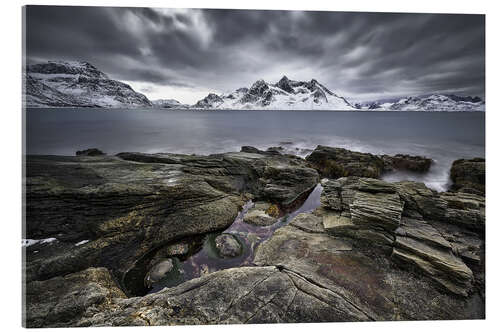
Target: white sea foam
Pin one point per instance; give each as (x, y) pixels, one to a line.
(30, 242)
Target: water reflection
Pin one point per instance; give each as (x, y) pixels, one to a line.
(250, 236)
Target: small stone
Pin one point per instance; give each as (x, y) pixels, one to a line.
(259, 218)
(158, 271)
(228, 246)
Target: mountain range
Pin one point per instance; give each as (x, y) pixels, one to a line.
(434, 102)
(80, 84)
(285, 94)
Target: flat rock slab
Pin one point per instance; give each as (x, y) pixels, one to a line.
(308, 222)
(330, 262)
(232, 296)
(334, 222)
(370, 281)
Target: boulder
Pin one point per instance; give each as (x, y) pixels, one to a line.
(338, 162)
(228, 245)
(90, 152)
(469, 176)
(406, 162)
(250, 149)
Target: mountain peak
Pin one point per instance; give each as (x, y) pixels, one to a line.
(76, 84)
(284, 84)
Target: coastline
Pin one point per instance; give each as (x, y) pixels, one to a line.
(116, 218)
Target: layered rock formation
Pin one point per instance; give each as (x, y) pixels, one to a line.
(411, 222)
(371, 250)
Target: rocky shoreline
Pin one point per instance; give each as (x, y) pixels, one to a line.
(370, 250)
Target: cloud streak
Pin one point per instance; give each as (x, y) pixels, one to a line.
(363, 56)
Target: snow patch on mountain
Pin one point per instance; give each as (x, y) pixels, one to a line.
(77, 84)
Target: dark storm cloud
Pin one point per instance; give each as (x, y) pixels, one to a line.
(361, 55)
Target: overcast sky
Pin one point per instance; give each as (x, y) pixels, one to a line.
(185, 54)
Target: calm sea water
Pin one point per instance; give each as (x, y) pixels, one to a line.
(442, 136)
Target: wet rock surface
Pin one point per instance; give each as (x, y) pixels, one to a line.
(228, 245)
(469, 176)
(338, 162)
(259, 217)
(158, 271)
(372, 250)
(129, 205)
(406, 162)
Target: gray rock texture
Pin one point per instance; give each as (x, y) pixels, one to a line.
(338, 162)
(228, 245)
(469, 176)
(128, 206)
(372, 250)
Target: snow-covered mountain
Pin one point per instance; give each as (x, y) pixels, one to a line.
(77, 84)
(286, 94)
(168, 104)
(80, 84)
(435, 102)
